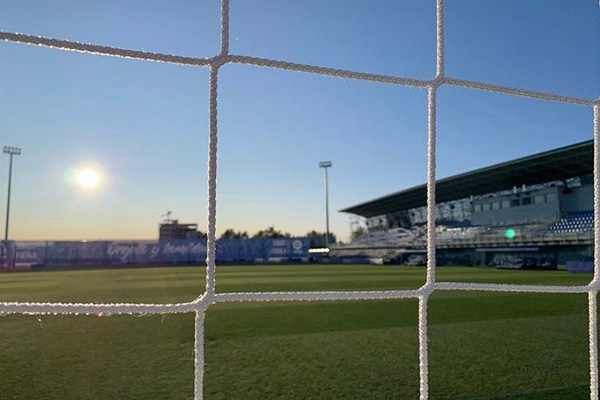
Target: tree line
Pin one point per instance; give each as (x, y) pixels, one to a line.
(316, 239)
(271, 233)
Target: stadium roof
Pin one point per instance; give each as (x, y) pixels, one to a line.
(563, 163)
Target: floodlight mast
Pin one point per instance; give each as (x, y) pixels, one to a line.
(11, 151)
(325, 165)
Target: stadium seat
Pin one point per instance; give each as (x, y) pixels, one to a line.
(580, 221)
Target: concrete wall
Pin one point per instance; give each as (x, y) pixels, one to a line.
(577, 199)
(512, 208)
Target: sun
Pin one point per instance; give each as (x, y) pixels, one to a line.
(87, 178)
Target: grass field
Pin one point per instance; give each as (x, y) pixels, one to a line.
(482, 345)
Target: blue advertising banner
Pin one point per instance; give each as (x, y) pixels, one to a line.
(5, 259)
(187, 251)
(580, 267)
(262, 250)
(27, 254)
(183, 251)
(133, 252)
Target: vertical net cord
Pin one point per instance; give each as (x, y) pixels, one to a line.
(430, 282)
(209, 294)
(593, 337)
(439, 46)
(431, 136)
(199, 353)
(224, 27)
(212, 181)
(423, 349)
(593, 294)
(431, 164)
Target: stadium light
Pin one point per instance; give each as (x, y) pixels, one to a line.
(325, 165)
(11, 151)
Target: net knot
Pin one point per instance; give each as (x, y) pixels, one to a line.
(427, 288)
(219, 60)
(438, 81)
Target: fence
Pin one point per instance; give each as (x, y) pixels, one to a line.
(52, 254)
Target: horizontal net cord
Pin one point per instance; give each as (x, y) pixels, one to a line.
(518, 92)
(507, 287)
(94, 49)
(68, 45)
(338, 73)
(317, 296)
(202, 302)
(98, 309)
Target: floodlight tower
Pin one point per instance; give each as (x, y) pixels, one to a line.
(325, 165)
(11, 151)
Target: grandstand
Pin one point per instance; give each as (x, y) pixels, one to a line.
(535, 212)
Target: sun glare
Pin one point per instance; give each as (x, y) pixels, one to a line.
(88, 179)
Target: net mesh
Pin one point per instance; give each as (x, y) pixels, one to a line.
(201, 304)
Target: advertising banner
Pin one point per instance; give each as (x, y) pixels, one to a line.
(186, 251)
(27, 254)
(142, 252)
(183, 251)
(6, 255)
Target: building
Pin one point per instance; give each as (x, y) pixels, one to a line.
(537, 207)
(172, 229)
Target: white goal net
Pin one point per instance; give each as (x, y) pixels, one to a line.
(201, 304)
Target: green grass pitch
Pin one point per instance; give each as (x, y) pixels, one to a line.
(481, 345)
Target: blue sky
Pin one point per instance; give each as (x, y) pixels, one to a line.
(144, 125)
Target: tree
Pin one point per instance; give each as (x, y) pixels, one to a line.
(270, 233)
(232, 234)
(358, 232)
(317, 239)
